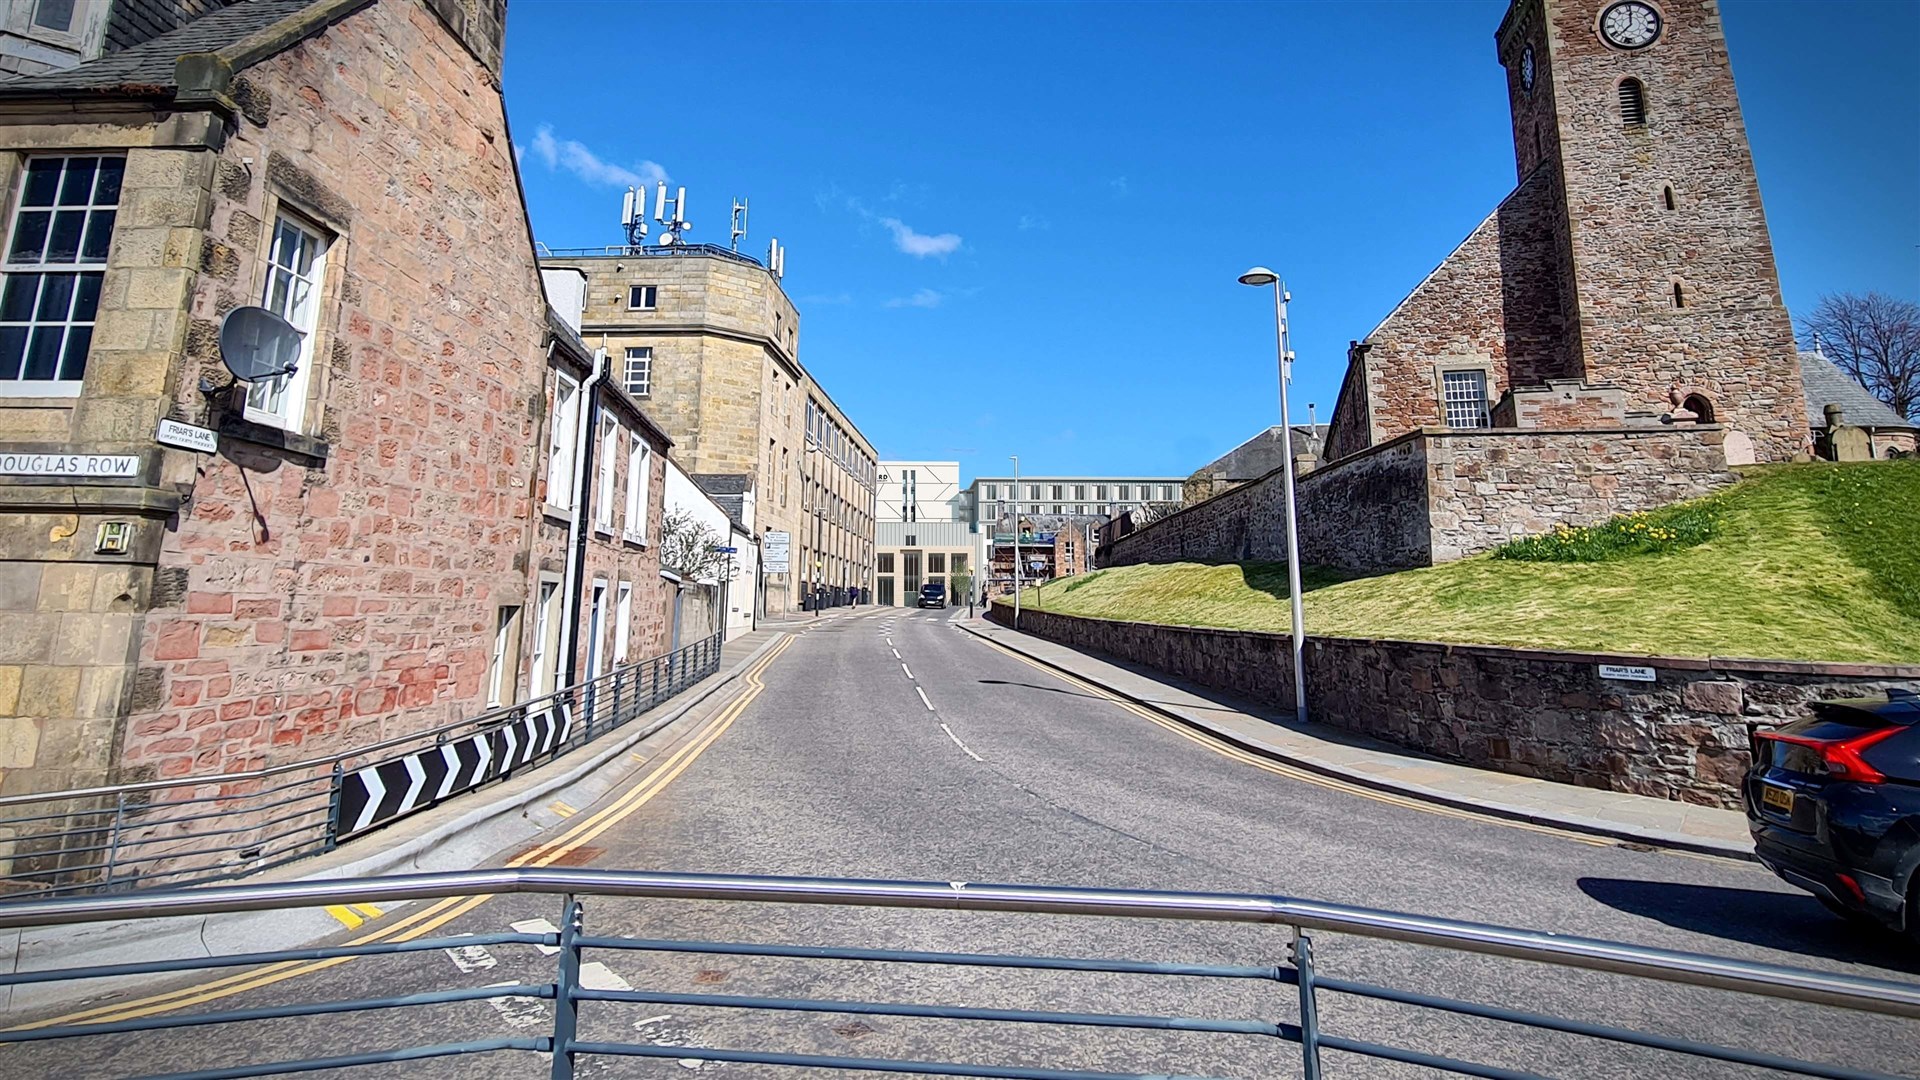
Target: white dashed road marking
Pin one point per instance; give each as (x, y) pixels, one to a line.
(961, 745)
(537, 926)
(923, 698)
(519, 1012)
(595, 975)
(905, 668)
(471, 958)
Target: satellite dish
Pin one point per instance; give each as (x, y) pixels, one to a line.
(257, 345)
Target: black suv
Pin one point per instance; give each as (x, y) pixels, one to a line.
(932, 594)
(1834, 805)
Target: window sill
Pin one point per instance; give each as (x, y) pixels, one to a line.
(303, 449)
(561, 514)
(635, 539)
(603, 532)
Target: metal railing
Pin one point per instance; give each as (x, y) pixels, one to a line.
(166, 833)
(570, 1000)
(649, 251)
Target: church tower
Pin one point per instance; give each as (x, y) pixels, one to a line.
(1666, 278)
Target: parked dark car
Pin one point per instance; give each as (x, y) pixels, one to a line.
(932, 594)
(1834, 805)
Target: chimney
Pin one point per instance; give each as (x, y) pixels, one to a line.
(481, 25)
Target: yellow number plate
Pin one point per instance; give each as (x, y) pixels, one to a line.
(1778, 798)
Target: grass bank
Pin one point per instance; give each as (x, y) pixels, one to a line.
(1809, 562)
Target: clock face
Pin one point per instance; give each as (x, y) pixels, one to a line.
(1630, 25)
(1526, 69)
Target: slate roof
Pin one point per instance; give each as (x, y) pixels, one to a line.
(147, 69)
(1824, 384)
(1261, 454)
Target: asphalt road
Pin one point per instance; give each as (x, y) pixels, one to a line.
(898, 746)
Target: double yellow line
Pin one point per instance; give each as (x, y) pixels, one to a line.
(1229, 750)
(447, 909)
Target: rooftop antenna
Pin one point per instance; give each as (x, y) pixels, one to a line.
(777, 258)
(674, 225)
(633, 216)
(739, 222)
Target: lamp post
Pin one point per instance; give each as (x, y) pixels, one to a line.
(1261, 276)
(1016, 540)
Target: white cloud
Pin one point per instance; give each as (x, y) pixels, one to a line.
(1034, 221)
(918, 244)
(577, 159)
(921, 298)
(1120, 186)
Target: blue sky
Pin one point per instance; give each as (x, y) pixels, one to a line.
(1016, 228)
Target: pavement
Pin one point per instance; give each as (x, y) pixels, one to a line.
(1386, 767)
(893, 744)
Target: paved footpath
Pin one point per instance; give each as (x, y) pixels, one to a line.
(894, 744)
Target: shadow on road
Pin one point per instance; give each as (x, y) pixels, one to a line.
(1789, 922)
(1032, 686)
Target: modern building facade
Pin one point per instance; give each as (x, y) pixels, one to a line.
(708, 342)
(1091, 497)
(925, 534)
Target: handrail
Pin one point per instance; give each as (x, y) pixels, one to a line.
(475, 723)
(1692, 969)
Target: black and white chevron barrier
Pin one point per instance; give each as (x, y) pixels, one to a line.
(379, 793)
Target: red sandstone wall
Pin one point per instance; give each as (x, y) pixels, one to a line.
(1732, 340)
(1495, 300)
(360, 601)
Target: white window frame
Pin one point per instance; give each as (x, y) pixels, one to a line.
(546, 624)
(643, 355)
(304, 297)
(639, 487)
(609, 450)
(597, 630)
(564, 419)
(643, 297)
(622, 622)
(77, 268)
(1455, 407)
(505, 618)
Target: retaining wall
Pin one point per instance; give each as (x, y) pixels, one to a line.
(1682, 735)
(1436, 494)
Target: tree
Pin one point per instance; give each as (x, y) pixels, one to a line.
(959, 585)
(1874, 338)
(687, 548)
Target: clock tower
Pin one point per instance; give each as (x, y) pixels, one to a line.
(1666, 283)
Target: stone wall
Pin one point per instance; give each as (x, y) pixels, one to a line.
(342, 584)
(1728, 335)
(1529, 712)
(1436, 495)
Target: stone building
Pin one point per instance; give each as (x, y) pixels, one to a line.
(1043, 551)
(1610, 338)
(599, 597)
(707, 340)
(1627, 281)
(1255, 458)
(1833, 395)
(351, 560)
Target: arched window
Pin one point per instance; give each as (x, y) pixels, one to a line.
(1700, 407)
(1679, 297)
(1669, 196)
(1633, 102)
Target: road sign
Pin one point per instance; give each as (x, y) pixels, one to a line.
(379, 793)
(774, 552)
(722, 550)
(1629, 673)
(186, 437)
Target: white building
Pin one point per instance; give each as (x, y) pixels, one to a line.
(728, 590)
(923, 533)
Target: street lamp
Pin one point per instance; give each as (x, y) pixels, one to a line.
(1016, 540)
(1261, 276)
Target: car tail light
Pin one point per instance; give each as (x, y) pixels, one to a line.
(1842, 756)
